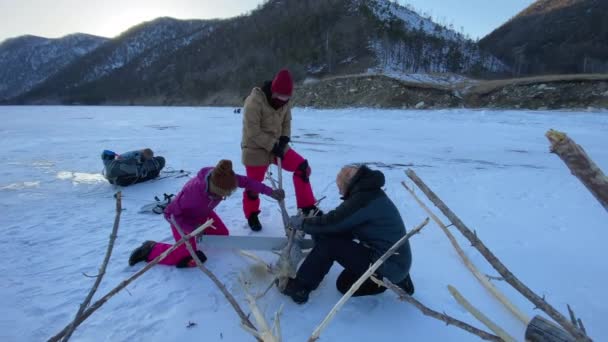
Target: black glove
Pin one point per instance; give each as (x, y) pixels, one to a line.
(278, 151)
(279, 147)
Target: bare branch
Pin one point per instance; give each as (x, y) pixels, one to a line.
(574, 320)
(317, 332)
(432, 313)
(265, 332)
(262, 294)
(494, 278)
(480, 316)
(288, 259)
(580, 164)
(88, 312)
(496, 263)
(468, 263)
(572, 316)
(102, 269)
(277, 322)
(217, 282)
(580, 324)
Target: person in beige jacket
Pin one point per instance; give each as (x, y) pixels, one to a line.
(266, 137)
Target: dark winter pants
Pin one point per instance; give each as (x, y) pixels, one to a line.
(354, 257)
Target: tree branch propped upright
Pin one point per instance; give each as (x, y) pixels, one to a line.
(509, 277)
(102, 269)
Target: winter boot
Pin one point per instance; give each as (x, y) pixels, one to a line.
(141, 253)
(346, 279)
(312, 211)
(189, 262)
(296, 291)
(254, 221)
(407, 285)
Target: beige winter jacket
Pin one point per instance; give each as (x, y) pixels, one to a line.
(262, 127)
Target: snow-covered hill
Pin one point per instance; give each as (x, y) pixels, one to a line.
(168, 61)
(29, 60)
(424, 45)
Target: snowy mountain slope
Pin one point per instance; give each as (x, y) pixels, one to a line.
(29, 60)
(492, 168)
(145, 38)
(169, 62)
(388, 10)
(415, 44)
(139, 47)
(554, 37)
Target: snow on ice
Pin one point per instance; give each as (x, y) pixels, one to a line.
(492, 168)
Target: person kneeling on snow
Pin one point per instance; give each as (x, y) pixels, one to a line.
(193, 206)
(131, 167)
(367, 215)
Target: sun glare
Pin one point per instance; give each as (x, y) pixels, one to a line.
(124, 20)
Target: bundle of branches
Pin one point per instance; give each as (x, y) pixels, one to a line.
(539, 329)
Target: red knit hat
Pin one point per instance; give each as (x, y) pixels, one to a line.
(223, 180)
(282, 83)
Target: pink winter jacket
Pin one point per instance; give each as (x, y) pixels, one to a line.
(192, 206)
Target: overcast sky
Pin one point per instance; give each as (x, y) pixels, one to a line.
(108, 18)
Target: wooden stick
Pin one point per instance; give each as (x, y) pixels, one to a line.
(572, 316)
(480, 316)
(432, 313)
(574, 320)
(217, 282)
(317, 332)
(286, 265)
(541, 329)
(102, 269)
(509, 277)
(277, 322)
(128, 281)
(467, 262)
(580, 164)
(263, 293)
(264, 332)
(284, 213)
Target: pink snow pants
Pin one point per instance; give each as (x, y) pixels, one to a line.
(182, 252)
(292, 162)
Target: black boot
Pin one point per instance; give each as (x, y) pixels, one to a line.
(254, 222)
(312, 211)
(189, 262)
(407, 285)
(346, 279)
(141, 253)
(296, 291)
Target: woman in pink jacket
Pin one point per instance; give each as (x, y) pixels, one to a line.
(193, 206)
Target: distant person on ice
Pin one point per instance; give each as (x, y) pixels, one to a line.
(193, 206)
(131, 167)
(266, 137)
(367, 215)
